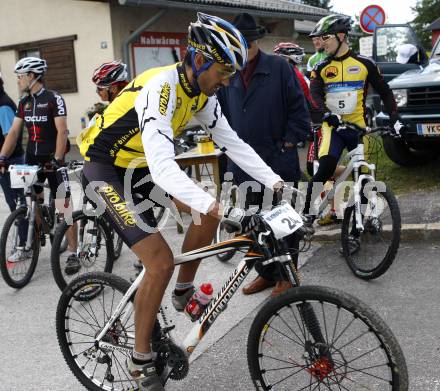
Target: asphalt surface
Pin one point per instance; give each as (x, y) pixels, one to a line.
(406, 297)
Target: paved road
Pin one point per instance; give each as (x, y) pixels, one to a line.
(406, 297)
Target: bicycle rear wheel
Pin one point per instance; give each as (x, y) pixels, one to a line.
(379, 242)
(81, 316)
(357, 350)
(17, 274)
(91, 257)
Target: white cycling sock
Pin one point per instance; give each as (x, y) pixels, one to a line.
(183, 286)
(141, 357)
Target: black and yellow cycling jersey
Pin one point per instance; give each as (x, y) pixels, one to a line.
(138, 129)
(340, 85)
(115, 136)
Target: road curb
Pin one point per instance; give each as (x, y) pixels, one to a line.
(410, 233)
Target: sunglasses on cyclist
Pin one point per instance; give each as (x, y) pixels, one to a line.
(327, 37)
(99, 89)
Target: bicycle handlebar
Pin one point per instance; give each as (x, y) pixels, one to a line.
(363, 131)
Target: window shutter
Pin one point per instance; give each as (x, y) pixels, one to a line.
(61, 69)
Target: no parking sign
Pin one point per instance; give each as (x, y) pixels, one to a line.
(371, 17)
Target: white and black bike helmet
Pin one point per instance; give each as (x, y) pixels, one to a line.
(31, 64)
(218, 40)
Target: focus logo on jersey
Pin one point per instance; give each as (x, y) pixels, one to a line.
(35, 118)
(164, 98)
(331, 72)
(117, 204)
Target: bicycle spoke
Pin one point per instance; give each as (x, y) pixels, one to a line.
(356, 358)
(95, 320)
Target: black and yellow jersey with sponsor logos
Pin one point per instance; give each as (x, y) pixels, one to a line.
(138, 129)
(340, 85)
(38, 111)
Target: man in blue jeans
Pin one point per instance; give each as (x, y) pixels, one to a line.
(7, 114)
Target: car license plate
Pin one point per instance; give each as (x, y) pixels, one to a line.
(428, 129)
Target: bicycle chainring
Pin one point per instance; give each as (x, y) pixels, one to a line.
(170, 353)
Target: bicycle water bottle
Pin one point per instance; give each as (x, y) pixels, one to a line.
(199, 301)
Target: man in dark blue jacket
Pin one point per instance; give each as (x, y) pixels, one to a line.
(265, 105)
(7, 113)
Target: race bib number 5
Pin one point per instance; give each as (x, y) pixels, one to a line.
(342, 102)
(283, 220)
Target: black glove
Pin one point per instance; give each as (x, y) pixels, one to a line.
(333, 120)
(55, 163)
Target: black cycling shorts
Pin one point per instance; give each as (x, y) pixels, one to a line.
(133, 222)
(334, 141)
(52, 177)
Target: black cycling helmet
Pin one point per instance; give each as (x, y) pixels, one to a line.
(331, 24)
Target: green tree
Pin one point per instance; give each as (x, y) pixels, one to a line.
(318, 3)
(356, 29)
(427, 11)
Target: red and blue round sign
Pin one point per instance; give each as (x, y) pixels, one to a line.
(371, 17)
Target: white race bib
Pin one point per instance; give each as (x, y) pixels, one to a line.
(342, 102)
(283, 220)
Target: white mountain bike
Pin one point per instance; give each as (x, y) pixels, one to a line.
(309, 338)
(372, 216)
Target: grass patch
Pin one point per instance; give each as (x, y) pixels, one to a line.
(403, 180)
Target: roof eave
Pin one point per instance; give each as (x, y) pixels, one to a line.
(220, 8)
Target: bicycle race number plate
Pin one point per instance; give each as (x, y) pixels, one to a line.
(283, 220)
(22, 176)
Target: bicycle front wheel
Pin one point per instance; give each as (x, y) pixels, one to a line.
(94, 252)
(370, 253)
(17, 265)
(355, 350)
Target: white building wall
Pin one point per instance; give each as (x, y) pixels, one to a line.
(24, 21)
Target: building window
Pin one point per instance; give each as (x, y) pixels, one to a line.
(60, 56)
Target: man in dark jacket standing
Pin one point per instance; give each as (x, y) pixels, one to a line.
(7, 113)
(265, 105)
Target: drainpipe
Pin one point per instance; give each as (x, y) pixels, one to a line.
(133, 36)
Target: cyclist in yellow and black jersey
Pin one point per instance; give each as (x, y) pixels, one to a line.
(339, 86)
(137, 130)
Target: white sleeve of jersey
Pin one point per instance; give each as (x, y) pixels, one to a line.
(216, 124)
(155, 106)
